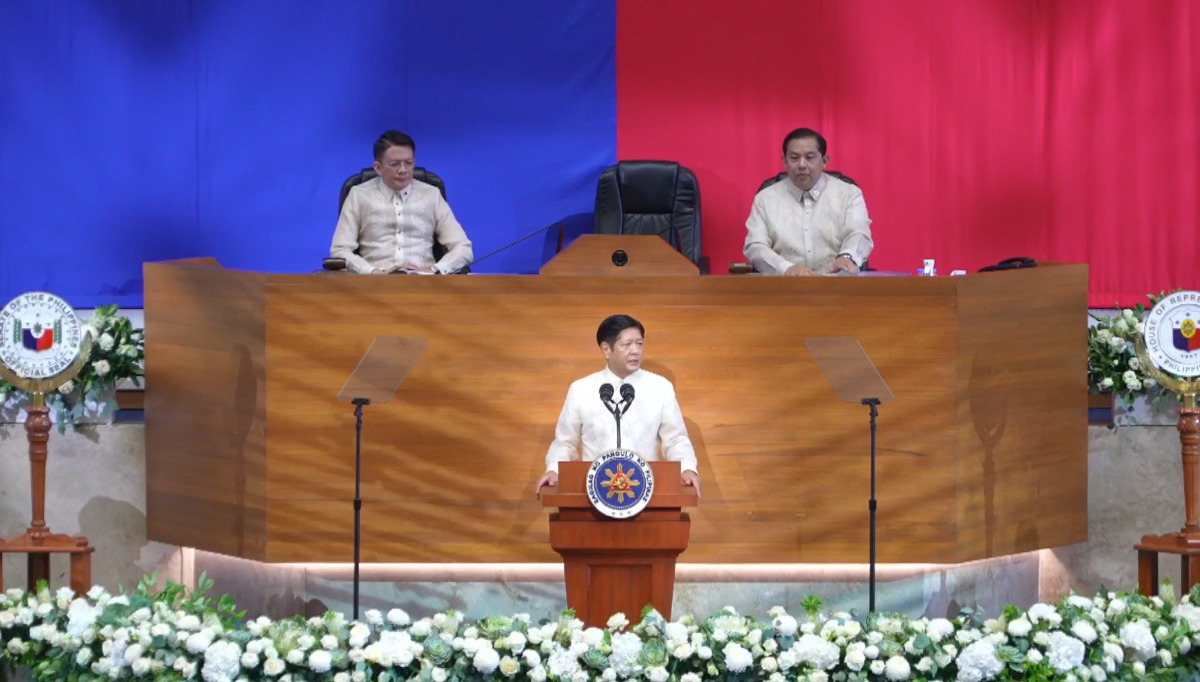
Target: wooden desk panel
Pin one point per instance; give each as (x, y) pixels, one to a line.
(449, 464)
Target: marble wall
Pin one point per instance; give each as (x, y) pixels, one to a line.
(96, 485)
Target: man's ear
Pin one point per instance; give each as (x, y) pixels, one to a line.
(605, 349)
(825, 160)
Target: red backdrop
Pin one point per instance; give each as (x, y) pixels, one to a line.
(978, 129)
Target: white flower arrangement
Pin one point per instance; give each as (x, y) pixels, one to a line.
(173, 635)
(1113, 365)
(117, 353)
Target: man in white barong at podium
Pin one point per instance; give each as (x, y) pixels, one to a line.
(586, 428)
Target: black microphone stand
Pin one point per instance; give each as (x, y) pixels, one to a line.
(358, 419)
(616, 412)
(873, 404)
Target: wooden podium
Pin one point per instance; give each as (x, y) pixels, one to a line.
(249, 453)
(619, 565)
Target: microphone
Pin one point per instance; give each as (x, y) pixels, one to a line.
(627, 395)
(513, 243)
(606, 396)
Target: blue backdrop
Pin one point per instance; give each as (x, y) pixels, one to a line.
(159, 129)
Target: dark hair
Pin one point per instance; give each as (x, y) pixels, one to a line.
(393, 138)
(800, 134)
(613, 325)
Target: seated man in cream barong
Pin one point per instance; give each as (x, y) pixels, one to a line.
(586, 429)
(811, 223)
(389, 223)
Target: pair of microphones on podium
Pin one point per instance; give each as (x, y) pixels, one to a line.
(617, 408)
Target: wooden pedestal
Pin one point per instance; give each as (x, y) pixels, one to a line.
(1171, 543)
(1185, 543)
(37, 541)
(619, 565)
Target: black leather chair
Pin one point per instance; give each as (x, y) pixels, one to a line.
(426, 176)
(783, 176)
(746, 268)
(419, 173)
(651, 197)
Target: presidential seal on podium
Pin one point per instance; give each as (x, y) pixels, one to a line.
(620, 484)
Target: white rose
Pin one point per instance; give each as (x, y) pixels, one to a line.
(515, 642)
(398, 617)
(689, 677)
(329, 643)
(359, 634)
(438, 674)
(877, 667)
(593, 637)
(509, 666)
(102, 367)
(897, 668)
(618, 621)
(657, 674)
(1106, 383)
(1034, 656)
(295, 656)
(67, 387)
(786, 625)
(273, 667)
(538, 674)
(1084, 631)
(855, 660)
(486, 660)
(133, 652)
(737, 658)
(1020, 627)
(341, 677)
(140, 667)
(319, 661)
(106, 342)
(1116, 342)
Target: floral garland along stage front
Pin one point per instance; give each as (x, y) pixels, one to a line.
(173, 635)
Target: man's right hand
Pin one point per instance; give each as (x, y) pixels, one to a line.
(798, 270)
(549, 478)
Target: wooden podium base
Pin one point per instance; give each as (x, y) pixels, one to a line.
(1171, 543)
(630, 566)
(619, 565)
